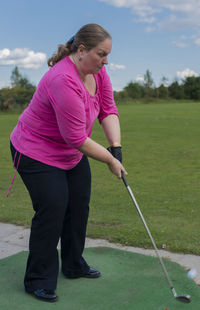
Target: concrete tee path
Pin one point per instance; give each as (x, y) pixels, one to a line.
(14, 239)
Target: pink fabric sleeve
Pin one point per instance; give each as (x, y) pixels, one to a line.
(68, 104)
(108, 104)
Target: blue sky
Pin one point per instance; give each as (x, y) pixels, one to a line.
(158, 35)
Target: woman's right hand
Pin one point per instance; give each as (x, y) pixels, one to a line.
(116, 167)
(94, 150)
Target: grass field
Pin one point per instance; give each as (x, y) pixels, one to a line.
(161, 153)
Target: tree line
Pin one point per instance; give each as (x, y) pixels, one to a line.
(187, 89)
(20, 93)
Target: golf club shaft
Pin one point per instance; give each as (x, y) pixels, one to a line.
(150, 236)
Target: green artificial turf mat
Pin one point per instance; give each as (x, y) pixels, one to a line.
(128, 281)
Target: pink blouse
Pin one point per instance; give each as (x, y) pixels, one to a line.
(61, 114)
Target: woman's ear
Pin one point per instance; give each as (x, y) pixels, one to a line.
(81, 50)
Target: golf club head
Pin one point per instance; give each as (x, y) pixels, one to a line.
(184, 298)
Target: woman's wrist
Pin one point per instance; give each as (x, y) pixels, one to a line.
(115, 144)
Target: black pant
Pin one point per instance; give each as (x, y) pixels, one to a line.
(60, 200)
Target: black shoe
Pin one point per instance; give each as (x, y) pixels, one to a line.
(91, 273)
(45, 295)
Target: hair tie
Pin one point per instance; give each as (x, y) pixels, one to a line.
(71, 39)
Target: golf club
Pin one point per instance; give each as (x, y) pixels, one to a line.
(183, 298)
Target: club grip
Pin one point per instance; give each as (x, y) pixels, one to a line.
(124, 180)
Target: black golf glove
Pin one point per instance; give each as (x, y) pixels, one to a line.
(116, 152)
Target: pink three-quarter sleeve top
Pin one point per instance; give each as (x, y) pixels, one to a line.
(61, 114)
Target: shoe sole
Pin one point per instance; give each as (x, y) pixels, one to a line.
(94, 276)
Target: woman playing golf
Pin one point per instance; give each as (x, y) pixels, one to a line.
(50, 146)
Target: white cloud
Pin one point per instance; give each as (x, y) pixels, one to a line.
(147, 19)
(186, 73)
(115, 67)
(150, 7)
(182, 6)
(22, 57)
(167, 15)
(197, 41)
(172, 23)
(140, 79)
(142, 8)
(181, 42)
(150, 29)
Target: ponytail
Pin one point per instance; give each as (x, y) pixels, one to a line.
(62, 52)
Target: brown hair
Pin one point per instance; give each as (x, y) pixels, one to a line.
(89, 35)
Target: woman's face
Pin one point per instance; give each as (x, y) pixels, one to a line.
(92, 61)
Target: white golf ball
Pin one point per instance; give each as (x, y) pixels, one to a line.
(192, 273)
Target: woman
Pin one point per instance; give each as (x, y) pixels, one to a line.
(50, 145)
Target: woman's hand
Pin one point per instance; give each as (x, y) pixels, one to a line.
(116, 167)
(94, 150)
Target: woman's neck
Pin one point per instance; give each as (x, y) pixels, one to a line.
(74, 59)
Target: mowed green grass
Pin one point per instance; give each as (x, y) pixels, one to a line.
(161, 152)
